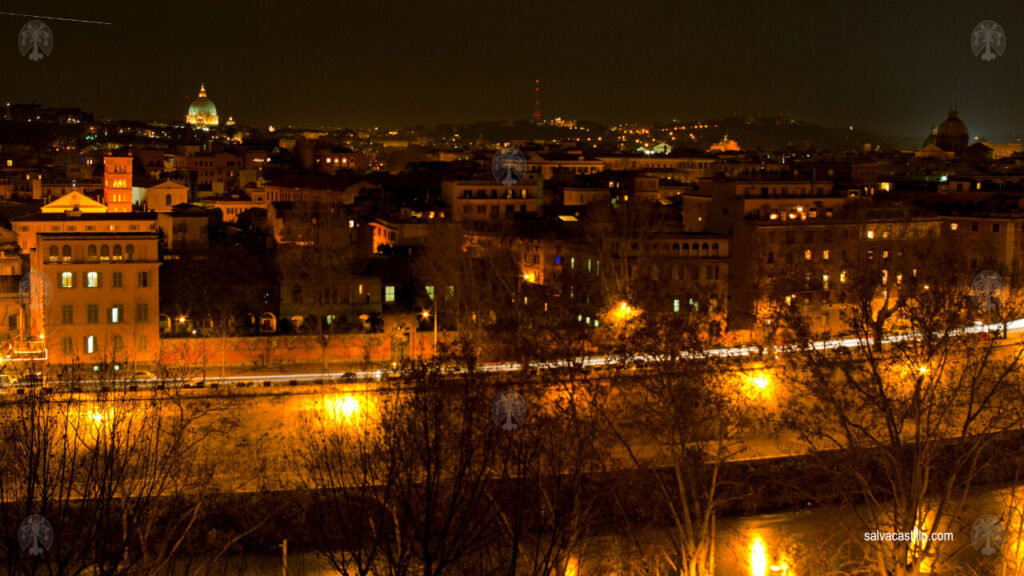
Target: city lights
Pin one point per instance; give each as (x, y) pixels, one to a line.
(383, 290)
(623, 312)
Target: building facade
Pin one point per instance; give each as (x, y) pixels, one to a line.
(104, 307)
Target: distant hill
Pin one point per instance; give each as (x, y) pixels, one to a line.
(780, 133)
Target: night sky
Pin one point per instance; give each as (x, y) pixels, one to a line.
(890, 67)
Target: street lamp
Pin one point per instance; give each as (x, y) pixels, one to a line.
(194, 331)
(624, 312)
(426, 315)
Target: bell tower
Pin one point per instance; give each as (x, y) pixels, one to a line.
(117, 183)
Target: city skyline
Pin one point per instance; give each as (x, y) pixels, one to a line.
(363, 66)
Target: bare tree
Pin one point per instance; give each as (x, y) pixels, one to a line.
(680, 415)
(124, 478)
(905, 419)
(427, 483)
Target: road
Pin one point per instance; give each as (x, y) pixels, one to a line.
(1015, 333)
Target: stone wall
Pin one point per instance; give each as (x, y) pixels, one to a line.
(343, 350)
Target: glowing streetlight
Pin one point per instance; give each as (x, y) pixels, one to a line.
(757, 385)
(347, 409)
(624, 312)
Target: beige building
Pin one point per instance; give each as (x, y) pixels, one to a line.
(483, 200)
(74, 221)
(165, 195)
(104, 306)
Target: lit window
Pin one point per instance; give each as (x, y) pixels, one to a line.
(430, 292)
(824, 281)
(90, 344)
(807, 255)
(871, 234)
(885, 277)
(825, 254)
(842, 277)
(953, 226)
(389, 294)
(675, 305)
(67, 280)
(116, 316)
(92, 280)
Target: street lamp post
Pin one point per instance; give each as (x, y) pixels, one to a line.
(203, 336)
(426, 314)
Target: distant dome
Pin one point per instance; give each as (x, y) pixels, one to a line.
(202, 111)
(952, 134)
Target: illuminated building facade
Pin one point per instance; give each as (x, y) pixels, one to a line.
(483, 200)
(117, 183)
(202, 113)
(105, 298)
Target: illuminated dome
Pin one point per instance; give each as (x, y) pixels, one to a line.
(952, 134)
(202, 112)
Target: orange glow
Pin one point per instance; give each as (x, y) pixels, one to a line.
(346, 410)
(624, 312)
(758, 558)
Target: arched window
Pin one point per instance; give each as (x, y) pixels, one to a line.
(65, 252)
(704, 249)
(92, 252)
(117, 252)
(104, 252)
(54, 253)
(167, 200)
(129, 252)
(714, 249)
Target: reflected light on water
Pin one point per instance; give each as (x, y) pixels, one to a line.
(572, 567)
(758, 558)
(765, 563)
